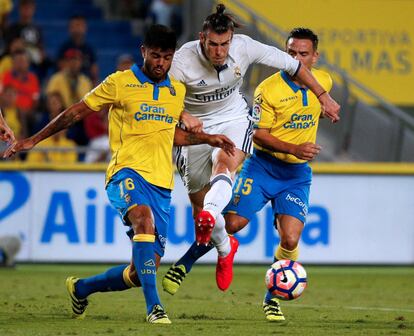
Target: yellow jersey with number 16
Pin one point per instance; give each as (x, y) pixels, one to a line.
(142, 120)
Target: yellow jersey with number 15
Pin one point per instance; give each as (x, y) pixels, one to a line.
(142, 120)
(290, 112)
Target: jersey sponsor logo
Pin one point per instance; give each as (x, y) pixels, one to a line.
(136, 85)
(288, 98)
(218, 94)
(149, 263)
(150, 112)
(298, 121)
(202, 83)
(299, 202)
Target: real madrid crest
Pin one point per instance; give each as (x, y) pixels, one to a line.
(237, 71)
(172, 90)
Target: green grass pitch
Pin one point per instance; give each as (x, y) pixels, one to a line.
(338, 301)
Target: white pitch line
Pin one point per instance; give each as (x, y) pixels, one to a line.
(293, 305)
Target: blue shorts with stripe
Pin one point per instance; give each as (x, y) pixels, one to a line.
(264, 178)
(127, 189)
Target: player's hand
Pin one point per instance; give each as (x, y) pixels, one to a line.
(6, 134)
(330, 108)
(307, 151)
(22, 145)
(191, 123)
(223, 142)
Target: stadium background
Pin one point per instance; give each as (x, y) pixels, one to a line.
(362, 207)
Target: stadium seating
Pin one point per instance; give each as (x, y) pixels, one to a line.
(109, 38)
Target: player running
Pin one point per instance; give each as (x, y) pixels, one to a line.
(212, 70)
(145, 105)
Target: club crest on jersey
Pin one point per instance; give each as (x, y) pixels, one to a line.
(236, 200)
(127, 198)
(258, 99)
(172, 90)
(237, 71)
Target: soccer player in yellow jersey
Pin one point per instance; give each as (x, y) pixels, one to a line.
(145, 106)
(284, 141)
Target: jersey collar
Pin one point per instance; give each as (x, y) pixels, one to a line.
(289, 82)
(144, 79)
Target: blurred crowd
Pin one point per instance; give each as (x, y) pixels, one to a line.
(34, 87)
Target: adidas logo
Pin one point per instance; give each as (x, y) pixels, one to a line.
(149, 263)
(202, 83)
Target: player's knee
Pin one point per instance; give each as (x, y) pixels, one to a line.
(289, 241)
(143, 225)
(235, 223)
(133, 276)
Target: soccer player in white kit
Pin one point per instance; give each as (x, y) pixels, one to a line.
(212, 69)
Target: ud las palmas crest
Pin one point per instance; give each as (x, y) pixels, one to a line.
(236, 200)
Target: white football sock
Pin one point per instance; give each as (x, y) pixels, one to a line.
(219, 194)
(220, 238)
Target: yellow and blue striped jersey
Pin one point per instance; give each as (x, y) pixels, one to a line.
(142, 120)
(290, 112)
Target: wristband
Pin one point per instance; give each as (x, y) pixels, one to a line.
(320, 94)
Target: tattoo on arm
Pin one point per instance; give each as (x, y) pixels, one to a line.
(64, 120)
(192, 139)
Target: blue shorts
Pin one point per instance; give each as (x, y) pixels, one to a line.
(264, 178)
(127, 189)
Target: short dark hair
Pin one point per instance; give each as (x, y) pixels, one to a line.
(77, 17)
(219, 22)
(304, 34)
(159, 36)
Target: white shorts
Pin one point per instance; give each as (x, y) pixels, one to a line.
(194, 163)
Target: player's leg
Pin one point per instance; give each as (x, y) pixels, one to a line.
(249, 197)
(177, 272)
(223, 170)
(290, 208)
(114, 279)
(290, 229)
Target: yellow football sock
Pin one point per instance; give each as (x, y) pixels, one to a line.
(282, 253)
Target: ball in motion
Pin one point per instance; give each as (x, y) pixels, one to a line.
(286, 279)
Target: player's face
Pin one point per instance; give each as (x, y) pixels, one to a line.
(157, 62)
(216, 46)
(302, 50)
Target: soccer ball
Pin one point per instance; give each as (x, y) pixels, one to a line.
(286, 279)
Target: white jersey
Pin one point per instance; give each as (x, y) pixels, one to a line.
(214, 96)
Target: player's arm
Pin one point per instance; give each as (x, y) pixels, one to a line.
(330, 108)
(305, 151)
(274, 57)
(6, 134)
(64, 120)
(185, 138)
(191, 123)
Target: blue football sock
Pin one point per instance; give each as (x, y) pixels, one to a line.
(194, 253)
(111, 280)
(144, 260)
